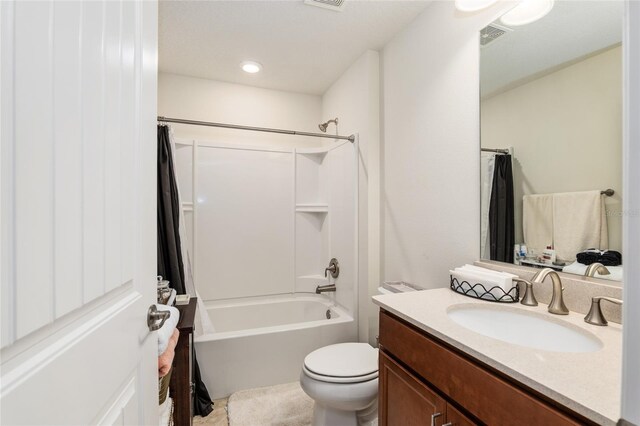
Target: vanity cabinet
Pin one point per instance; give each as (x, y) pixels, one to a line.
(421, 377)
(405, 400)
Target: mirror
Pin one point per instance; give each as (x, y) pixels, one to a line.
(551, 139)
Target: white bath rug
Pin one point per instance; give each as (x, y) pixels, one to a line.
(281, 405)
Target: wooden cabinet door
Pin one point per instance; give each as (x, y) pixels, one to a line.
(456, 418)
(404, 400)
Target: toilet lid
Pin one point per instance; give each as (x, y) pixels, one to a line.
(343, 360)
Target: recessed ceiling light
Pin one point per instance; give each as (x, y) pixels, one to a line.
(251, 67)
(526, 12)
(473, 5)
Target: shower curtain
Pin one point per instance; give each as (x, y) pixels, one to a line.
(172, 256)
(170, 261)
(501, 211)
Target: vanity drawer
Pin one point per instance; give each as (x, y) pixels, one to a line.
(491, 399)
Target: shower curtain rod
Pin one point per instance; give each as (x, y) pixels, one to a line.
(497, 150)
(350, 138)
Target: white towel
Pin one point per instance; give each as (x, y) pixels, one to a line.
(166, 410)
(165, 332)
(537, 221)
(579, 223)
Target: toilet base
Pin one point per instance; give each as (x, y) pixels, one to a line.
(326, 416)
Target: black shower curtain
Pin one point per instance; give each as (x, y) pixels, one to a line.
(501, 211)
(170, 262)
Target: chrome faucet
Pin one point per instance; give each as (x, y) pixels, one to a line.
(556, 306)
(596, 268)
(595, 315)
(325, 288)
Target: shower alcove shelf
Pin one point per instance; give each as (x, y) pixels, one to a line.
(312, 210)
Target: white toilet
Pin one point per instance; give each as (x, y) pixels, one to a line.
(342, 379)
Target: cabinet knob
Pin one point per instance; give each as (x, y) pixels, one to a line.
(434, 417)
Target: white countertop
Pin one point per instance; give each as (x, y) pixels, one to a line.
(587, 383)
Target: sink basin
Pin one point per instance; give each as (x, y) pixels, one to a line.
(524, 328)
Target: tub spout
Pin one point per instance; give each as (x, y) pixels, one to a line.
(325, 288)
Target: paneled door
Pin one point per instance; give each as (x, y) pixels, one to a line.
(78, 229)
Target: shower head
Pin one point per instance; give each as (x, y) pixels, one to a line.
(323, 126)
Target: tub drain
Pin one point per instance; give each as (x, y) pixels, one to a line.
(328, 313)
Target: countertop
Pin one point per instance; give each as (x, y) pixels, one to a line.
(587, 383)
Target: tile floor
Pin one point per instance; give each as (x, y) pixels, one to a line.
(218, 417)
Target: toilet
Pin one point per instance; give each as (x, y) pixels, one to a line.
(342, 379)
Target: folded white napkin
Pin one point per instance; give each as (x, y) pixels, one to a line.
(165, 332)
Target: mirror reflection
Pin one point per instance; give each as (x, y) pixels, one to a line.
(551, 140)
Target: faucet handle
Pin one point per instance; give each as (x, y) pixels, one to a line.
(595, 315)
(333, 267)
(528, 299)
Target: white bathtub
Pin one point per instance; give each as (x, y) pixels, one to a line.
(263, 341)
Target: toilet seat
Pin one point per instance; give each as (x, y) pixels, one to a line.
(333, 379)
(342, 363)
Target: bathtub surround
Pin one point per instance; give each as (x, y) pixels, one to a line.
(307, 216)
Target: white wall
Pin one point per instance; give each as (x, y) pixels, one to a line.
(208, 100)
(566, 131)
(354, 98)
(631, 224)
(431, 145)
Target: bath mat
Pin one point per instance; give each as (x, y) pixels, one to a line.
(280, 405)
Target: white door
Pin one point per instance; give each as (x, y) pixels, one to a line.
(78, 254)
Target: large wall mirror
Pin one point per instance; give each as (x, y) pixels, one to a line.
(551, 139)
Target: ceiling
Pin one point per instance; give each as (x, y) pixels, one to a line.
(302, 48)
(572, 30)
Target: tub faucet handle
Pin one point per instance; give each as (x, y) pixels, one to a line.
(333, 268)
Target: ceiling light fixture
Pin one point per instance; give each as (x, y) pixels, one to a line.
(473, 5)
(251, 67)
(526, 12)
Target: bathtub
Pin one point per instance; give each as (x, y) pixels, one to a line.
(263, 341)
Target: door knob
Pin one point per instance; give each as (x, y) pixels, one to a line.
(156, 318)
